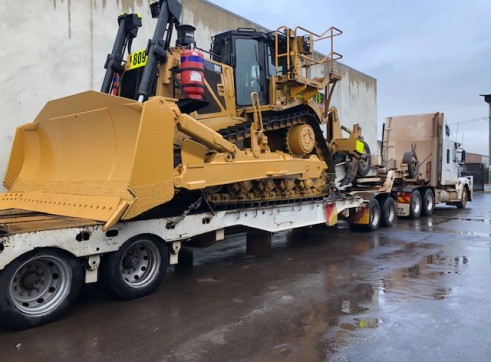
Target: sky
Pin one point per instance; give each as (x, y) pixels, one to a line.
(427, 55)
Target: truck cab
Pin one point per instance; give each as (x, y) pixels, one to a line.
(452, 158)
(437, 178)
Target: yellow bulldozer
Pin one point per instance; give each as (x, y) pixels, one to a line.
(170, 129)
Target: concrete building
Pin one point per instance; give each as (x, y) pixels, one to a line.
(476, 165)
(54, 48)
(476, 158)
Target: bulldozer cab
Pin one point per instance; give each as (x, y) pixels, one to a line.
(281, 66)
(251, 55)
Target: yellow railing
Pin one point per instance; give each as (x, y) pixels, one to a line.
(300, 47)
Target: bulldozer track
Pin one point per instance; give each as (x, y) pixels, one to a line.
(275, 124)
(282, 121)
(271, 122)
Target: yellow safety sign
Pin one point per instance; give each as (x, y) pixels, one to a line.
(137, 59)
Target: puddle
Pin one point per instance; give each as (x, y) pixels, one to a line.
(487, 221)
(435, 264)
(480, 227)
(472, 233)
(428, 279)
(419, 280)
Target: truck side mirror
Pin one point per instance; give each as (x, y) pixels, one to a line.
(462, 158)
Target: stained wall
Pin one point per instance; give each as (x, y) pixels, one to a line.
(54, 48)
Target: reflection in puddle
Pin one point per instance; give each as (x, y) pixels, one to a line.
(472, 233)
(367, 322)
(441, 293)
(487, 221)
(419, 281)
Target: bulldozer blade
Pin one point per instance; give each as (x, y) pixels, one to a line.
(93, 156)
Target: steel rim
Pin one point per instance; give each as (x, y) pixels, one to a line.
(414, 166)
(140, 264)
(40, 285)
(363, 165)
(375, 216)
(416, 203)
(391, 213)
(429, 202)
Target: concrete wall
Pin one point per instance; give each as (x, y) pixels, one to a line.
(54, 48)
(356, 100)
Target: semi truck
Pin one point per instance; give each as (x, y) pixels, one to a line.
(104, 187)
(423, 146)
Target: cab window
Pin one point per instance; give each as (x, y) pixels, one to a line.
(247, 70)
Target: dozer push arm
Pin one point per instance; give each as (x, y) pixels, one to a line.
(128, 29)
(168, 16)
(204, 135)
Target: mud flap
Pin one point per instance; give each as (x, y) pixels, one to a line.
(361, 216)
(331, 214)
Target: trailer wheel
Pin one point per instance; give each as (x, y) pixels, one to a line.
(38, 287)
(463, 199)
(374, 217)
(428, 203)
(136, 269)
(374, 221)
(388, 211)
(365, 162)
(415, 205)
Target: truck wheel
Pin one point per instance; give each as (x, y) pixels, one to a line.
(412, 162)
(463, 199)
(136, 269)
(388, 211)
(428, 203)
(365, 162)
(38, 287)
(374, 219)
(415, 205)
(374, 208)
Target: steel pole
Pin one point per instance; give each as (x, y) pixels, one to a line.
(487, 99)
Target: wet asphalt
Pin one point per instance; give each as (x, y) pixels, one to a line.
(419, 291)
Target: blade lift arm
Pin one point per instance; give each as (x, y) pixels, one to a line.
(128, 29)
(168, 12)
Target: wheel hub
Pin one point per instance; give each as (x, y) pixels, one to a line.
(130, 262)
(140, 264)
(40, 285)
(31, 281)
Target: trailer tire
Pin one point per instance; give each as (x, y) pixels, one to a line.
(428, 203)
(411, 160)
(136, 269)
(374, 218)
(463, 199)
(374, 208)
(415, 205)
(365, 162)
(38, 287)
(388, 211)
